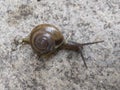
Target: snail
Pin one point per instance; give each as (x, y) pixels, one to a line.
(46, 39)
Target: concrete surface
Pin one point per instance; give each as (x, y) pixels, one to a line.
(82, 21)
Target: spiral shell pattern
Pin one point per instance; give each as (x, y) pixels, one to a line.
(45, 38)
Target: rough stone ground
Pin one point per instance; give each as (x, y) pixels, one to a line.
(83, 21)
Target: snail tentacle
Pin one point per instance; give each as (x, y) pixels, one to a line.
(77, 47)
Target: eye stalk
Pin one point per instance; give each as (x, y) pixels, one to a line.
(77, 47)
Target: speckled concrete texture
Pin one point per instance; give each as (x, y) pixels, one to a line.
(81, 20)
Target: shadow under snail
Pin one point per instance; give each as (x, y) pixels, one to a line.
(46, 39)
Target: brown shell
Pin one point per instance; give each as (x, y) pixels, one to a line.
(45, 38)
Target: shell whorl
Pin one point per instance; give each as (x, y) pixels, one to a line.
(42, 42)
(45, 38)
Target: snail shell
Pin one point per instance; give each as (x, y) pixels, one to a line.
(45, 38)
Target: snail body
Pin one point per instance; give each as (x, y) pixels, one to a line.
(46, 39)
